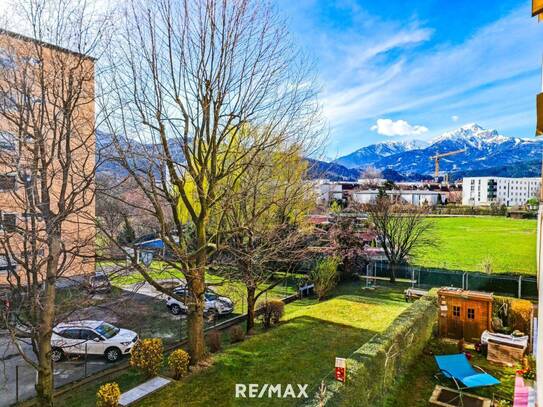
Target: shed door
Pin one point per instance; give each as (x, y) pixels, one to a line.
(455, 310)
(473, 318)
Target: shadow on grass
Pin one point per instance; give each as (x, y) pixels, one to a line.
(301, 350)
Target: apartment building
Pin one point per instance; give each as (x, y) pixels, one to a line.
(482, 191)
(411, 197)
(46, 104)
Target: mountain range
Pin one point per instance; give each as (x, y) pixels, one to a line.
(485, 150)
(486, 153)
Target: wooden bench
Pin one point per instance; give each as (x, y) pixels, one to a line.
(412, 294)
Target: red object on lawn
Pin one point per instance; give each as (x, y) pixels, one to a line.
(341, 370)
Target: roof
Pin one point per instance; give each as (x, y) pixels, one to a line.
(87, 323)
(465, 294)
(44, 44)
(151, 244)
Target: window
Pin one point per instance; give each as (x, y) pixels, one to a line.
(5, 264)
(471, 313)
(9, 222)
(7, 141)
(71, 333)
(7, 182)
(107, 330)
(7, 102)
(456, 311)
(88, 335)
(6, 60)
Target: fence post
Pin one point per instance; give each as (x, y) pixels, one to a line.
(467, 283)
(412, 277)
(16, 383)
(519, 286)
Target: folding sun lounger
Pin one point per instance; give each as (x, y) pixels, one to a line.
(464, 376)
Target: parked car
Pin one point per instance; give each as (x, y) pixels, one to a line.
(92, 337)
(214, 303)
(99, 282)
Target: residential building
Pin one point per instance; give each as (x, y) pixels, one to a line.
(45, 83)
(482, 191)
(328, 191)
(412, 197)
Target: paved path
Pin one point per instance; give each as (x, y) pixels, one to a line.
(144, 288)
(143, 390)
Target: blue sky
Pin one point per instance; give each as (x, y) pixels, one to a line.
(397, 70)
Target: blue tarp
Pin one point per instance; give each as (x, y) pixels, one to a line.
(156, 244)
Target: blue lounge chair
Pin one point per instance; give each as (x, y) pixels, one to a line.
(458, 368)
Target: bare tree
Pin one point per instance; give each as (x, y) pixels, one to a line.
(266, 216)
(47, 158)
(190, 78)
(401, 228)
(371, 173)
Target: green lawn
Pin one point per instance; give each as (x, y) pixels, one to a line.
(300, 350)
(464, 243)
(415, 387)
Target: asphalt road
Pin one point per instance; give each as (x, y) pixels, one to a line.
(66, 371)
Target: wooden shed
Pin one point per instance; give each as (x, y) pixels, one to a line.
(464, 314)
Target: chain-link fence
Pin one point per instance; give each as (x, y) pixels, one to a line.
(423, 277)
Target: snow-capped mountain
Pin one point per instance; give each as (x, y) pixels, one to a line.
(485, 148)
(372, 153)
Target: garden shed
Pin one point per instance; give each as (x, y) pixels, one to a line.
(464, 314)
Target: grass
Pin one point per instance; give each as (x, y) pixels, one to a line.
(464, 243)
(300, 350)
(415, 387)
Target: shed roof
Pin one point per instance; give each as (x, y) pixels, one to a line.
(465, 294)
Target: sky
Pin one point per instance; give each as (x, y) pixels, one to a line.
(400, 70)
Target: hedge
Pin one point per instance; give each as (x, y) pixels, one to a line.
(372, 369)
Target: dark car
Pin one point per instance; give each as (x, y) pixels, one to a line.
(99, 283)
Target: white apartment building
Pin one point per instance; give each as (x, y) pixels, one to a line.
(412, 197)
(482, 191)
(327, 191)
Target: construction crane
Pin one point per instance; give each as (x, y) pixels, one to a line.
(438, 156)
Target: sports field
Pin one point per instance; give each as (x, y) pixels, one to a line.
(466, 243)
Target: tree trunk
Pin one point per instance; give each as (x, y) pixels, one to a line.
(45, 384)
(195, 318)
(392, 271)
(250, 308)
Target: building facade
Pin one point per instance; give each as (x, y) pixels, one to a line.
(411, 197)
(484, 191)
(40, 112)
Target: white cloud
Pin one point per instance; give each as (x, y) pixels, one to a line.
(486, 73)
(388, 127)
(455, 118)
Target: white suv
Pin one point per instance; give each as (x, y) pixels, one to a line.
(214, 304)
(92, 337)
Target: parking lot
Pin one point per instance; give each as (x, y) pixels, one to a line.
(138, 307)
(139, 311)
